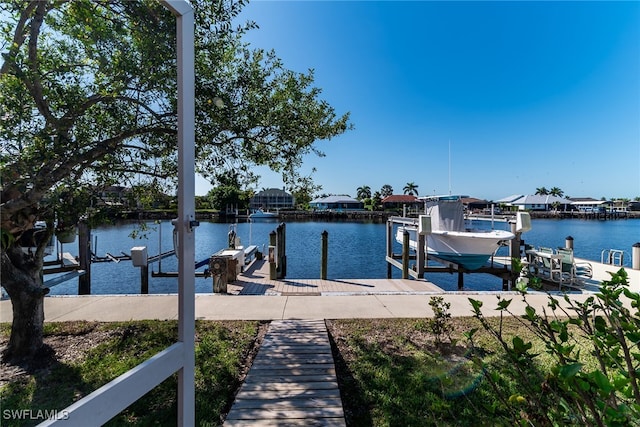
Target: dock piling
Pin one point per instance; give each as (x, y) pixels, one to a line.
(84, 258)
(405, 254)
(219, 268)
(324, 254)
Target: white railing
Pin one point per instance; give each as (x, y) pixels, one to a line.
(112, 398)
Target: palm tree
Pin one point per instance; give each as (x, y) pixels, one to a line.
(555, 191)
(363, 192)
(386, 190)
(542, 191)
(411, 188)
(376, 201)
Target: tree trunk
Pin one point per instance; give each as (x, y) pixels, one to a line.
(22, 279)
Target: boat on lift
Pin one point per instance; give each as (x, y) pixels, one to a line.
(449, 239)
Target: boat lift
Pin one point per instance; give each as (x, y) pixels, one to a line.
(421, 266)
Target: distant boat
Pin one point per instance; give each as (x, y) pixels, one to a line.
(260, 214)
(449, 240)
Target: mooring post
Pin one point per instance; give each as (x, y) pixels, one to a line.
(635, 256)
(514, 248)
(282, 251)
(405, 254)
(389, 246)
(84, 255)
(568, 242)
(144, 279)
(140, 258)
(324, 254)
(272, 255)
(218, 268)
(460, 280)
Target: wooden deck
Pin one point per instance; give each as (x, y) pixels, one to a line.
(292, 381)
(255, 281)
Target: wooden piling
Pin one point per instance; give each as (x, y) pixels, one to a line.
(84, 255)
(324, 254)
(144, 279)
(218, 268)
(389, 247)
(405, 254)
(281, 261)
(272, 256)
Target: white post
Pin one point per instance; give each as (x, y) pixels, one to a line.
(103, 404)
(186, 207)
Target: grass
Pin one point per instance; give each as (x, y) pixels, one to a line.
(221, 352)
(390, 371)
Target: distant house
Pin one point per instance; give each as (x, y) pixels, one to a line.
(337, 204)
(113, 195)
(535, 202)
(473, 205)
(272, 199)
(588, 204)
(399, 201)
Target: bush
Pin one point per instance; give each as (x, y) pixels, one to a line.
(594, 348)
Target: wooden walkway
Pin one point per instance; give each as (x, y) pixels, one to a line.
(292, 381)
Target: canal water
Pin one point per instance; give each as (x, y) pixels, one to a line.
(356, 250)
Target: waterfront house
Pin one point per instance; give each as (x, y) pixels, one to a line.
(472, 204)
(272, 199)
(536, 202)
(337, 204)
(400, 201)
(588, 204)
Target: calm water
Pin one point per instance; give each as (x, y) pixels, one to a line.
(356, 250)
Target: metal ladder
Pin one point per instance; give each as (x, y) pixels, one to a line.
(612, 257)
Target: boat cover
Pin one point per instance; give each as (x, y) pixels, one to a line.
(446, 215)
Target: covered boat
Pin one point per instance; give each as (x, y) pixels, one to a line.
(449, 240)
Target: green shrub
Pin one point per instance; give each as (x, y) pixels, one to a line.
(594, 375)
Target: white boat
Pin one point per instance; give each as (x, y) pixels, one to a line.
(260, 214)
(448, 238)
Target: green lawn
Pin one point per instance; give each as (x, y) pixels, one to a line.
(390, 371)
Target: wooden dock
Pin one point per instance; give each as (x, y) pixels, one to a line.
(292, 380)
(255, 281)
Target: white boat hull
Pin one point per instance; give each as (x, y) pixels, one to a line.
(469, 249)
(259, 214)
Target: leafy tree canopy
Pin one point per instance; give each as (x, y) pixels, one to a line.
(88, 97)
(88, 94)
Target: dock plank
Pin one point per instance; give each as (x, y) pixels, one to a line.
(292, 380)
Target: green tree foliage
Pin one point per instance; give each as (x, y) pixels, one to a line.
(542, 191)
(88, 95)
(555, 191)
(304, 191)
(363, 192)
(376, 201)
(386, 190)
(597, 383)
(411, 188)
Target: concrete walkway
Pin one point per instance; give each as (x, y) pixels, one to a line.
(299, 299)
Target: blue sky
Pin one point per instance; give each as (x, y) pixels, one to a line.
(525, 94)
